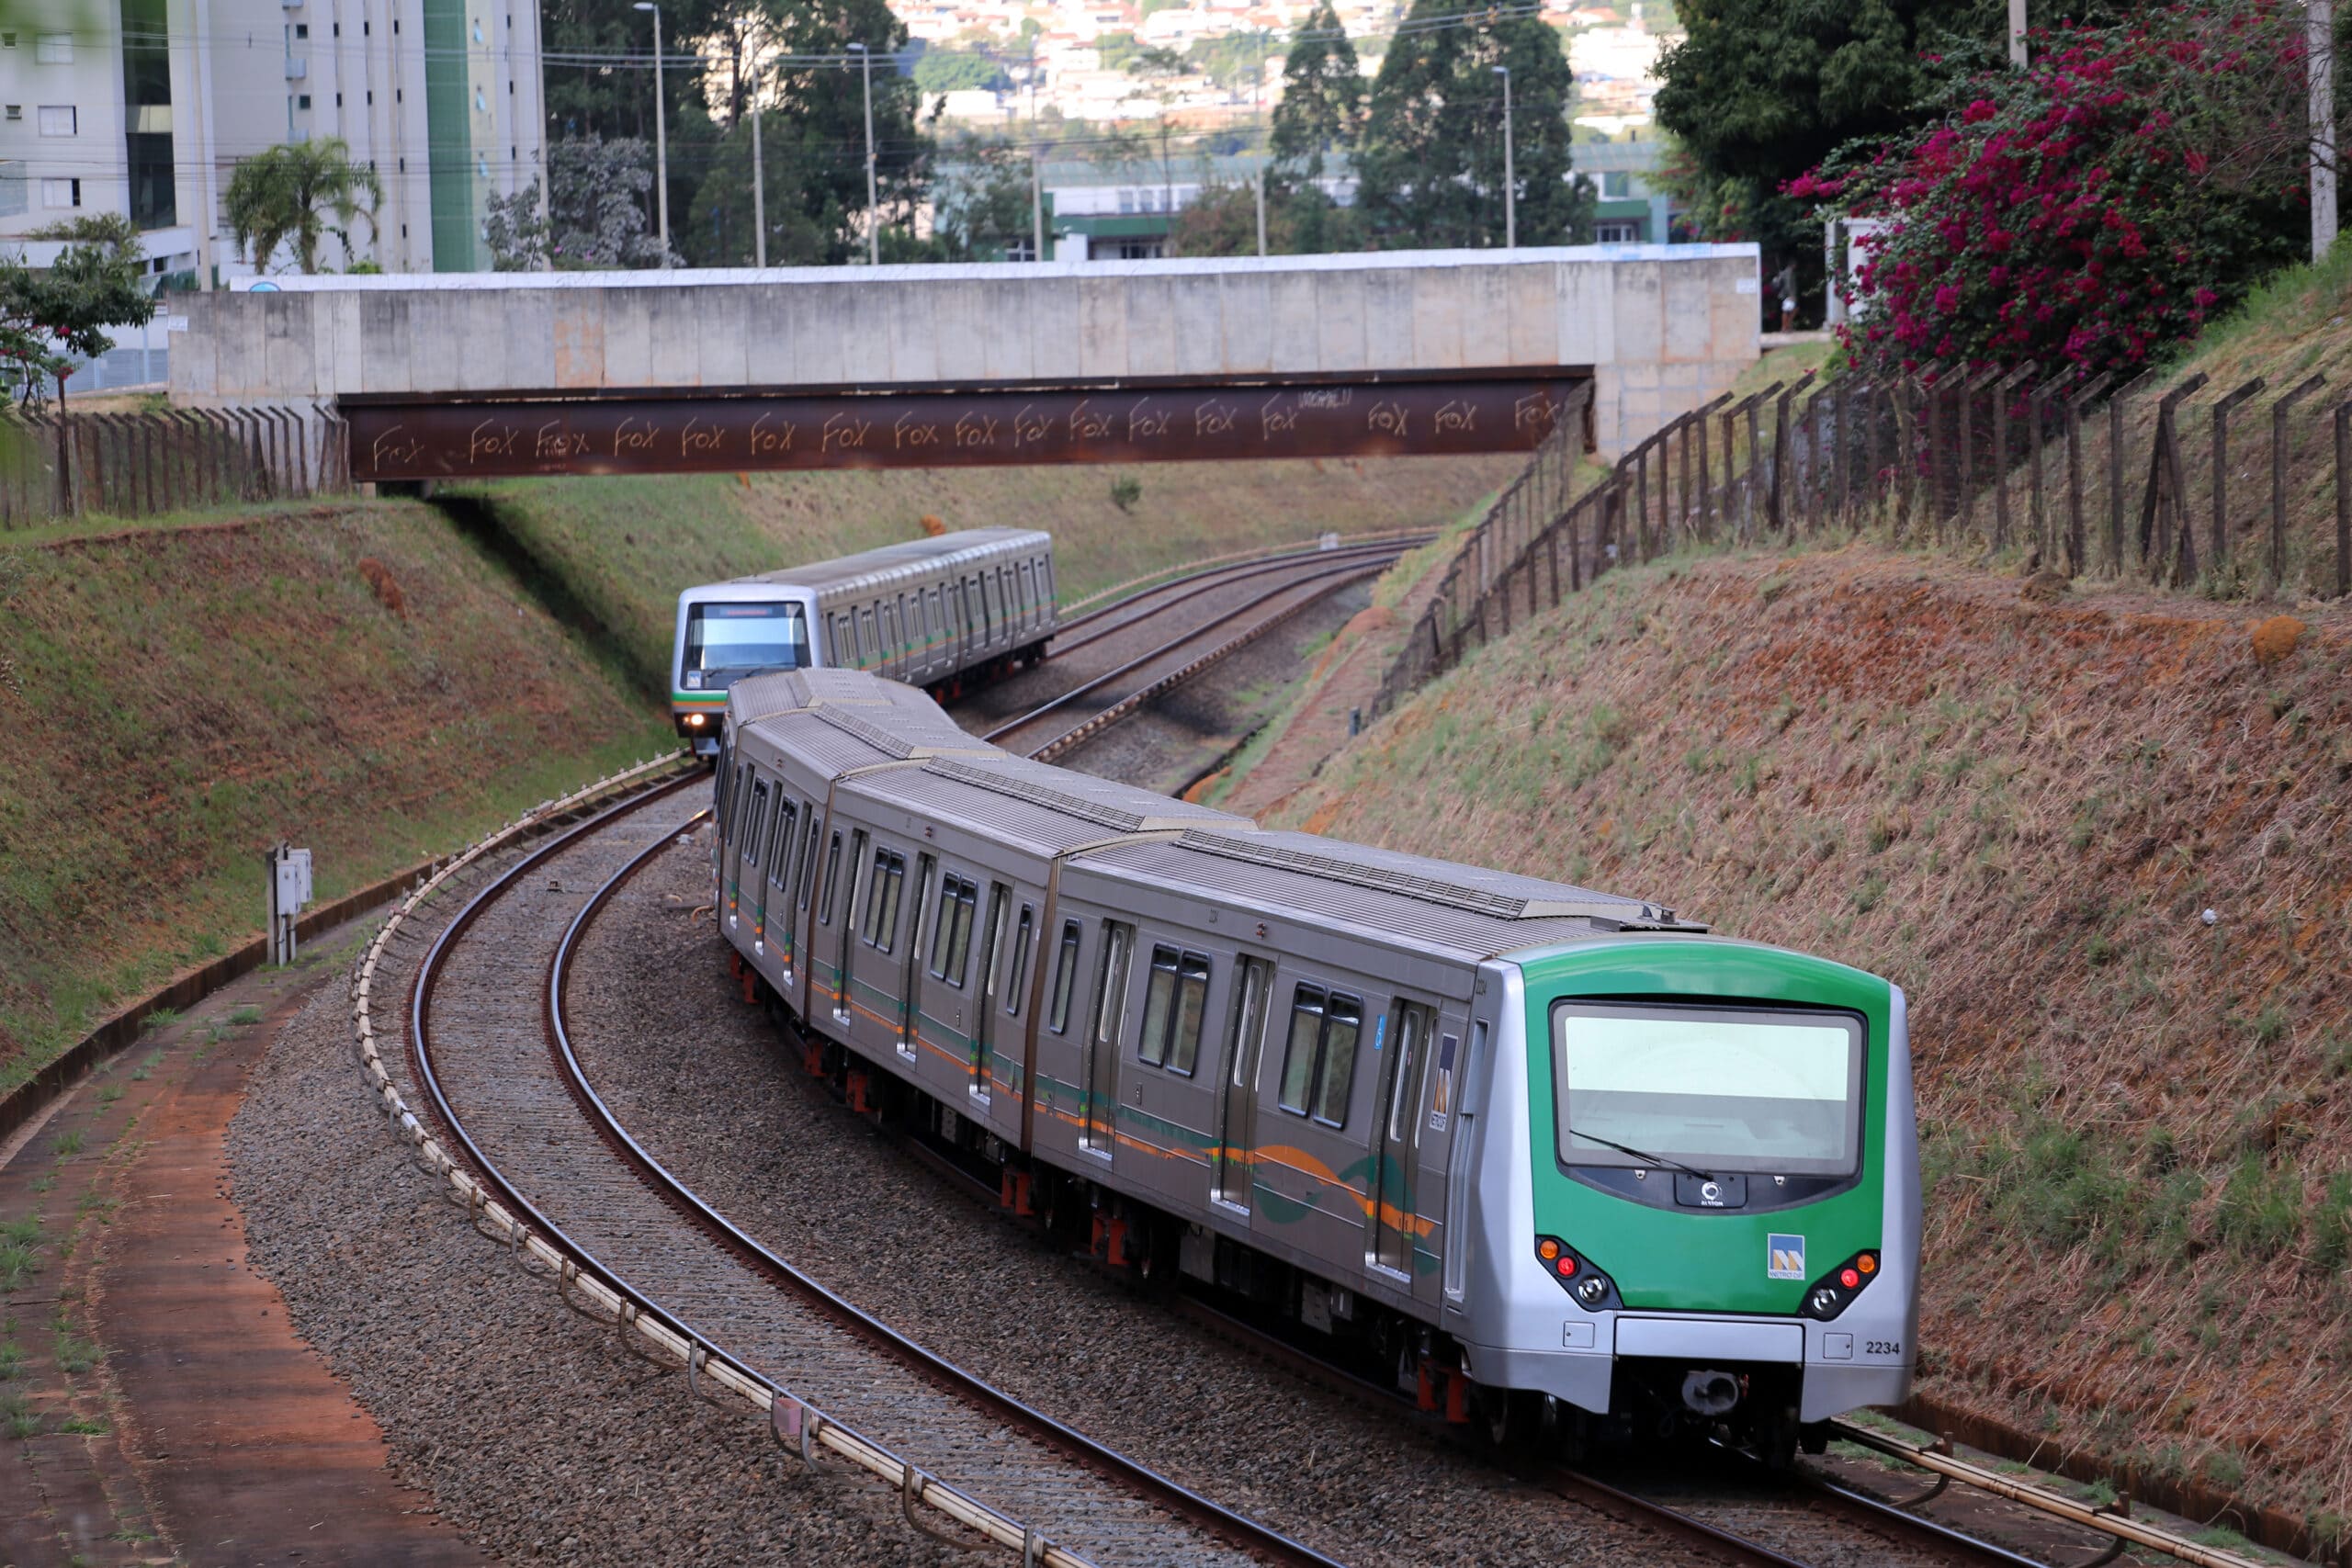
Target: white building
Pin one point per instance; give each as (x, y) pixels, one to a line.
(146, 107)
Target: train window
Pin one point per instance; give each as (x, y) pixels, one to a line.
(1336, 1073)
(738, 640)
(1045, 576)
(869, 641)
(1172, 1010)
(1028, 589)
(1015, 989)
(1298, 1058)
(951, 938)
(891, 648)
(809, 857)
(833, 880)
(882, 900)
(1065, 977)
(1319, 1061)
(758, 823)
(779, 861)
(1109, 1029)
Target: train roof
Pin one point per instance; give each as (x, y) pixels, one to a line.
(840, 720)
(946, 550)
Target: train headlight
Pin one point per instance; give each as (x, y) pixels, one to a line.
(1835, 1290)
(696, 720)
(1587, 1285)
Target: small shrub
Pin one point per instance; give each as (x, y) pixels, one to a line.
(109, 1094)
(162, 1018)
(2332, 1225)
(1869, 891)
(12, 1359)
(69, 1143)
(2261, 1209)
(82, 1425)
(78, 1355)
(16, 1413)
(25, 1231)
(244, 1015)
(1125, 490)
(19, 1262)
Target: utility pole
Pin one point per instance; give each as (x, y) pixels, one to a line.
(873, 202)
(1510, 173)
(2319, 56)
(1261, 208)
(1036, 206)
(661, 134)
(759, 185)
(2017, 33)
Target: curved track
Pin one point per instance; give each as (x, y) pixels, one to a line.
(1158, 598)
(487, 1043)
(1076, 716)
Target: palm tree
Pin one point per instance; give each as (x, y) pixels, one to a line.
(284, 196)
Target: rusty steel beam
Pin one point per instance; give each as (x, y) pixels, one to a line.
(486, 436)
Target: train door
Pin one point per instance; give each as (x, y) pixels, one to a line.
(910, 969)
(993, 983)
(776, 889)
(1238, 1103)
(846, 918)
(1452, 1116)
(1396, 1139)
(869, 639)
(1110, 1027)
(893, 646)
(755, 831)
(730, 842)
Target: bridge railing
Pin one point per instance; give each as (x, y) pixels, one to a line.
(137, 464)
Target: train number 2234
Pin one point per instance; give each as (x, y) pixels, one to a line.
(1881, 1347)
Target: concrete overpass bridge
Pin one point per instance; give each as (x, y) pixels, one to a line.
(1429, 352)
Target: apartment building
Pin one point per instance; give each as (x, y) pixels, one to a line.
(146, 107)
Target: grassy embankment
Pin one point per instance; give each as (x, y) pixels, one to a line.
(2137, 1120)
(219, 681)
(624, 547)
(177, 696)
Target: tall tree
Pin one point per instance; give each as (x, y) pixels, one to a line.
(597, 197)
(824, 100)
(1321, 112)
(286, 195)
(1760, 91)
(1432, 165)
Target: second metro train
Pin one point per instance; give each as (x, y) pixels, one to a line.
(934, 612)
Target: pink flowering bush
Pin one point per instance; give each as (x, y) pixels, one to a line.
(2091, 210)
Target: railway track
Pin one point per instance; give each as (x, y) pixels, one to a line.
(1077, 715)
(486, 1041)
(1159, 597)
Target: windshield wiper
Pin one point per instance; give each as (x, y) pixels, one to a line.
(1641, 1155)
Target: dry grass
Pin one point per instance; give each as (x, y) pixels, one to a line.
(2138, 1125)
(351, 677)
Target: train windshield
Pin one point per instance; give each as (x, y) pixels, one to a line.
(1710, 1089)
(728, 641)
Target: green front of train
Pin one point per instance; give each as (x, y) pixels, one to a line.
(1711, 1125)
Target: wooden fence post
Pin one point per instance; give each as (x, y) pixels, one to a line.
(2038, 411)
(2001, 395)
(2158, 511)
(2076, 401)
(2342, 498)
(2278, 412)
(2221, 411)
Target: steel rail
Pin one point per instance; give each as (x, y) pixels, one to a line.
(578, 1278)
(1196, 583)
(2112, 1519)
(1933, 1534)
(1088, 607)
(1329, 583)
(1237, 1529)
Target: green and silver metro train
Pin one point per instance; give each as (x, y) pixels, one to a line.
(1560, 1163)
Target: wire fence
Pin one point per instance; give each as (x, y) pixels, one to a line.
(2071, 474)
(55, 465)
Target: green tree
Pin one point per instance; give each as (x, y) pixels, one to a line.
(285, 194)
(946, 71)
(48, 315)
(1760, 91)
(1432, 164)
(597, 194)
(981, 204)
(720, 226)
(1232, 60)
(1321, 112)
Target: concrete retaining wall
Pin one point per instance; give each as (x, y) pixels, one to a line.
(1663, 327)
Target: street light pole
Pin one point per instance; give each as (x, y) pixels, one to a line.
(759, 185)
(873, 202)
(661, 134)
(1510, 173)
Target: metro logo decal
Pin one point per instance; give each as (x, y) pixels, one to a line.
(1784, 1256)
